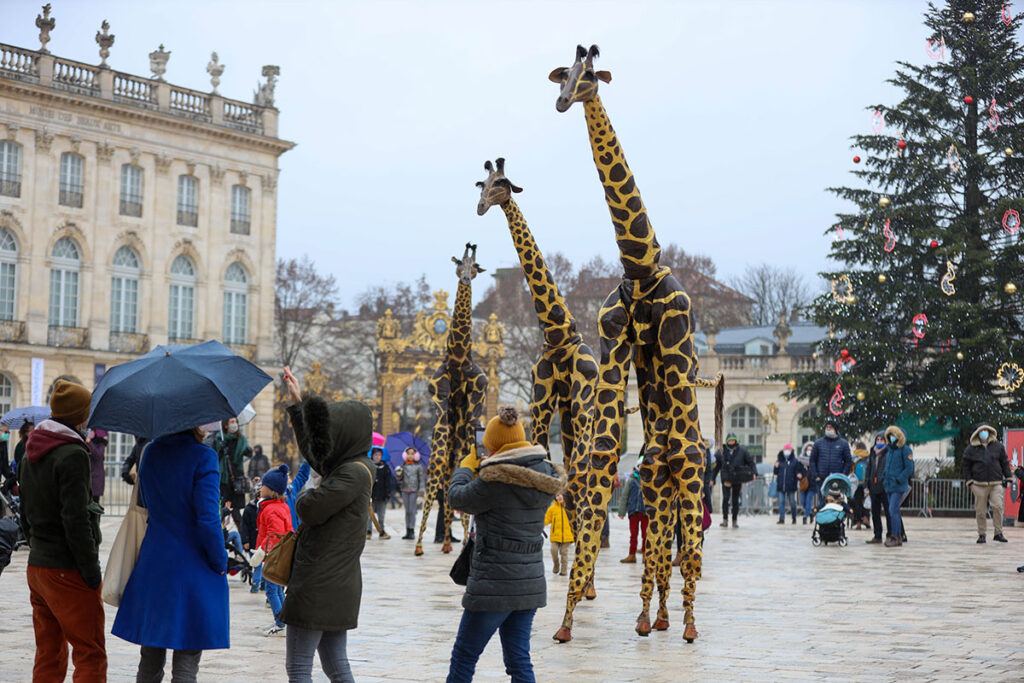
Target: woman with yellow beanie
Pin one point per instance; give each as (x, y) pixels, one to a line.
(507, 486)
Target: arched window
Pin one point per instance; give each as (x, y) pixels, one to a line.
(124, 291)
(181, 312)
(745, 422)
(240, 209)
(188, 201)
(67, 262)
(805, 434)
(236, 304)
(71, 185)
(8, 274)
(131, 190)
(10, 168)
(6, 394)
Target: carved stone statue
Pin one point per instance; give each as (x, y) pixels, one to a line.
(215, 69)
(264, 95)
(45, 24)
(105, 40)
(782, 333)
(158, 62)
(494, 331)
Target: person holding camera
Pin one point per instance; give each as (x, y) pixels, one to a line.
(736, 466)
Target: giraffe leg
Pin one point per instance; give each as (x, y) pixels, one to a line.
(428, 502)
(449, 516)
(691, 512)
(655, 486)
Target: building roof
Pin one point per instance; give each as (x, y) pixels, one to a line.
(734, 339)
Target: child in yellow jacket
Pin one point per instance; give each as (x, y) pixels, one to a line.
(561, 535)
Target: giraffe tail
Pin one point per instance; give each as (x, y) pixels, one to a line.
(719, 407)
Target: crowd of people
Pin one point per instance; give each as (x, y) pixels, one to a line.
(209, 497)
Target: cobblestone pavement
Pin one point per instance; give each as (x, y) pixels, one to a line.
(770, 608)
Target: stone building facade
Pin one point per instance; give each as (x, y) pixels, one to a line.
(133, 213)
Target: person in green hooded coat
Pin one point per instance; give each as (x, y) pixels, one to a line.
(326, 584)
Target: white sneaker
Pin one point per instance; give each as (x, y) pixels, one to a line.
(273, 630)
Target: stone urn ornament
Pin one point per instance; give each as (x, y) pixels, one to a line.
(105, 40)
(158, 62)
(215, 69)
(45, 24)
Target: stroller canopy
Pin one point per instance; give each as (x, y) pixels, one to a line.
(841, 480)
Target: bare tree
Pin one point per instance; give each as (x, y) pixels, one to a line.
(303, 298)
(775, 292)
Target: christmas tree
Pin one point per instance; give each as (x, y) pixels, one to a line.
(925, 318)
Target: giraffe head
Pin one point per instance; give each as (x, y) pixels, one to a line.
(497, 189)
(579, 81)
(467, 268)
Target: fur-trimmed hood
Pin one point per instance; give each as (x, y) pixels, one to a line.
(901, 437)
(329, 434)
(515, 467)
(976, 439)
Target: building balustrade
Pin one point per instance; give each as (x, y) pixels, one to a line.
(68, 337)
(12, 331)
(129, 342)
(183, 341)
(753, 366)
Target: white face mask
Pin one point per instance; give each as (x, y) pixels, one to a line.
(787, 452)
(830, 433)
(232, 428)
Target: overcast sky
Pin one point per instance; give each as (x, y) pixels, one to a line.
(735, 116)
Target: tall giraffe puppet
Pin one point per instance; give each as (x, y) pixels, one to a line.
(565, 374)
(459, 392)
(646, 320)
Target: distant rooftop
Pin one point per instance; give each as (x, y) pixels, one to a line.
(734, 340)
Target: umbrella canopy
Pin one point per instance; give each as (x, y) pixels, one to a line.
(397, 443)
(378, 439)
(19, 416)
(174, 388)
(845, 485)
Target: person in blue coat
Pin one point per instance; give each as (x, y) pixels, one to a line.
(830, 454)
(177, 596)
(788, 473)
(899, 468)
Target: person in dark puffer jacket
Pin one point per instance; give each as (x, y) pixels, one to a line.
(986, 470)
(831, 454)
(62, 526)
(508, 499)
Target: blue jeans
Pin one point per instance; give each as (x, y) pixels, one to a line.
(275, 594)
(257, 577)
(301, 644)
(807, 500)
(476, 628)
(783, 497)
(895, 518)
(236, 542)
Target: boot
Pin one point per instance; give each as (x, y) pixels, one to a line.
(605, 543)
(874, 540)
(725, 522)
(384, 535)
(408, 534)
(805, 520)
(893, 542)
(781, 521)
(794, 519)
(981, 538)
(677, 560)
(629, 559)
(369, 535)
(734, 524)
(1000, 538)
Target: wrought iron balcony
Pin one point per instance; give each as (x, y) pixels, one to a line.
(70, 197)
(131, 208)
(12, 331)
(188, 218)
(246, 351)
(129, 342)
(68, 337)
(184, 341)
(10, 186)
(239, 227)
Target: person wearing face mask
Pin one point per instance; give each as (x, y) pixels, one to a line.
(873, 473)
(860, 463)
(5, 466)
(804, 488)
(899, 468)
(788, 473)
(232, 451)
(737, 468)
(830, 454)
(987, 471)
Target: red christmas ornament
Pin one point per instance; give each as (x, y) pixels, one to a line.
(856, 160)
(934, 244)
(844, 353)
(901, 144)
(835, 404)
(969, 100)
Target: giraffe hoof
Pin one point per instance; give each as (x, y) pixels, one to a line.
(446, 548)
(690, 634)
(419, 550)
(590, 592)
(661, 625)
(563, 635)
(643, 627)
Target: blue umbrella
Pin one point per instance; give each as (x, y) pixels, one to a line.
(397, 443)
(174, 388)
(19, 416)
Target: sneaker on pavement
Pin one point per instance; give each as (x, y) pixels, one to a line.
(273, 629)
(874, 540)
(981, 539)
(1000, 538)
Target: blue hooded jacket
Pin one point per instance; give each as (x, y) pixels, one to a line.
(899, 462)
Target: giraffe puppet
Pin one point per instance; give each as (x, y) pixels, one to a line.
(565, 374)
(646, 320)
(459, 392)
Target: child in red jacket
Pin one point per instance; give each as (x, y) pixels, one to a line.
(273, 522)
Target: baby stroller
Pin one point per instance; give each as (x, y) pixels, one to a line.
(238, 562)
(830, 520)
(11, 537)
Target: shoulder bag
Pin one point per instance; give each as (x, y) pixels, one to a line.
(125, 551)
(463, 563)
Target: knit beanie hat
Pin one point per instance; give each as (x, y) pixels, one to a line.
(504, 429)
(69, 403)
(276, 479)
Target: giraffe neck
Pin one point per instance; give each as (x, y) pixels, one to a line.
(461, 333)
(638, 247)
(555, 319)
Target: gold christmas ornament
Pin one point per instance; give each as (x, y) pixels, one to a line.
(842, 289)
(1010, 376)
(860, 395)
(968, 17)
(851, 299)
(1009, 151)
(814, 355)
(882, 278)
(959, 355)
(1010, 288)
(884, 202)
(792, 384)
(831, 335)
